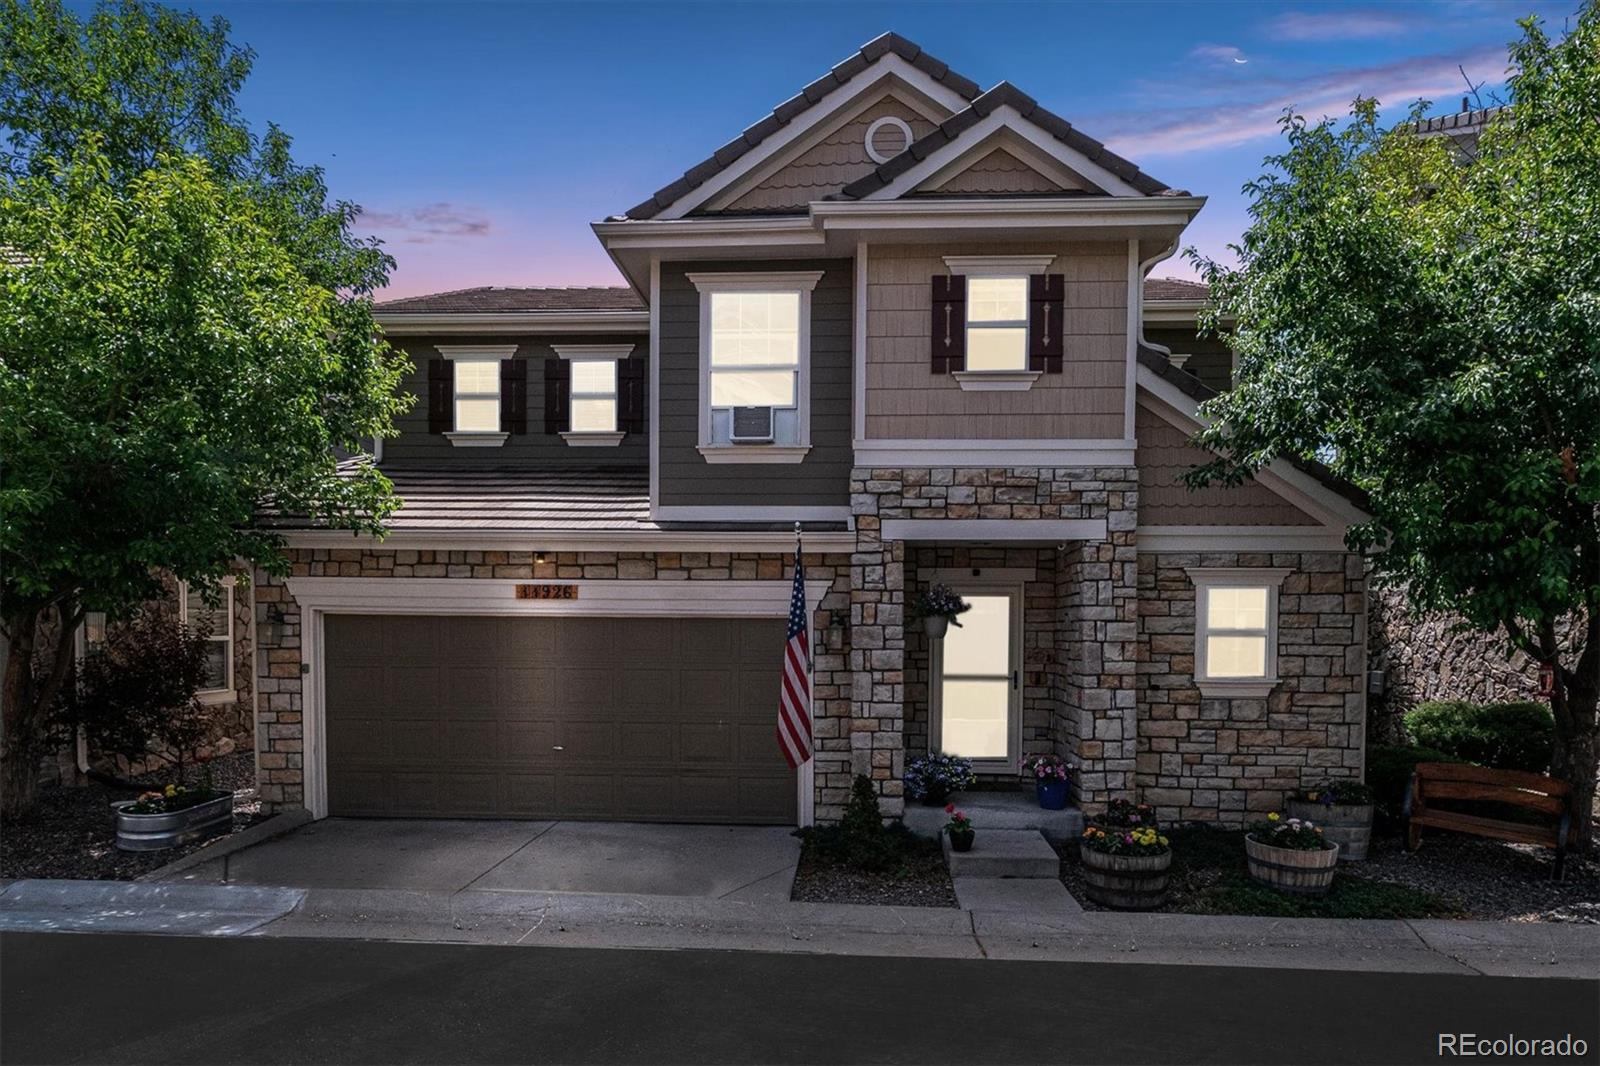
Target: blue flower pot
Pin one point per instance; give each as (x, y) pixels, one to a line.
(1052, 794)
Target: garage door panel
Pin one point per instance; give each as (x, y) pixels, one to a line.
(626, 718)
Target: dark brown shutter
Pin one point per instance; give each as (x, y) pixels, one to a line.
(557, 395)
(948, 333)
(441, 396)
(1045, 294)
(513, 396)
(630, 395)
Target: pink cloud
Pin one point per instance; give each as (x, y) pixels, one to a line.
(1347, 24)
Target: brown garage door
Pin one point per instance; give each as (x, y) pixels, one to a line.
(649, 719)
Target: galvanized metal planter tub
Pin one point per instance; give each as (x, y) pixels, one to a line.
(155, 832)
(1304, 873)
(1126, 882)
(1348, 825)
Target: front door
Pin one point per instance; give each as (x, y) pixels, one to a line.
(976, 680)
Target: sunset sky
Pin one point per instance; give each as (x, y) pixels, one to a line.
(483, 138)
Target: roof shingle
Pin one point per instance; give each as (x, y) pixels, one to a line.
(491, 298)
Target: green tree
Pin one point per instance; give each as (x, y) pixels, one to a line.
(186, 335)
(1429, 328)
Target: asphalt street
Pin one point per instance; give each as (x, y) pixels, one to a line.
(111, 998)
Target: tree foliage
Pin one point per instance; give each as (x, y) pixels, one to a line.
(186, 331)
(1428, 326)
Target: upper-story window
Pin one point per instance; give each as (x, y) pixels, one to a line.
(477, 395)
(591, 378)
(755, 365)
(997, 323)
(1236, 630)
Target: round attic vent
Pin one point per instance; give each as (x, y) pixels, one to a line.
(887, 138)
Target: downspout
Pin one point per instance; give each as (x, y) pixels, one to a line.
(1144, 272)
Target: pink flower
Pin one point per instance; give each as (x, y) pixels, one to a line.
(949, 808)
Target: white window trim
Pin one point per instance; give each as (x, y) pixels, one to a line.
(595, 353)
(1207, 578)
(998, 266)
(801, 282)
(475, 438)
(227, 693)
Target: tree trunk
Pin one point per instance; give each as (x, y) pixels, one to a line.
(19, 755)
(1576, 761)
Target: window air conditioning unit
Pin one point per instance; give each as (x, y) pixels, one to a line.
(752, 425)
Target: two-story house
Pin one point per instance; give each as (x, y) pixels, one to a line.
(915, 317)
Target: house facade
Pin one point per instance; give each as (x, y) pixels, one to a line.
(914, 319)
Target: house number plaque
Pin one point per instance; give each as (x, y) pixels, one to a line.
(547, 592)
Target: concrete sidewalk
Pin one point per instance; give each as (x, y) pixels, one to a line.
(597, 920)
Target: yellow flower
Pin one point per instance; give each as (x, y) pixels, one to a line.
(172, 790)
(1273, 817)
(1163, 841)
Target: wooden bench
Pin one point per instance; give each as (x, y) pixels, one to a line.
(1543, 795)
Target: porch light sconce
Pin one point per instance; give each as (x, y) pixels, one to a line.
(272, 625)
(539, 558)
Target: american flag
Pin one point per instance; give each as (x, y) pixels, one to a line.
(794, 705)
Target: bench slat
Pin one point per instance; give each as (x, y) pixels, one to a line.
(1490, 827)
(1473, 790)
(1448, 771)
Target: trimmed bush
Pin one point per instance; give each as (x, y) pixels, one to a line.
(1504, 736)
(1389, 772)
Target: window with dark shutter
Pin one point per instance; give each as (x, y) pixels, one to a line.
(441, 396)
(630, 395)
(1045, 322)
(948, 331)
(513, 396)
(557, 395)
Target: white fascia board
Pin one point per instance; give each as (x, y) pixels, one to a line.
(1010, 120)
(648, 541)
(709, 233)
(411, 323)
(1280, 476)
(886, 68)
(1023, 150)
(498, 596)
(593, 351)
(1099, 212)
(988, 453)
(1240, 538)
(1041, 530)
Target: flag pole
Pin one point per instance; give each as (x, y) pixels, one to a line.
(799, 548)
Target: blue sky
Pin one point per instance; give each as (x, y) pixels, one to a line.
(483, 138)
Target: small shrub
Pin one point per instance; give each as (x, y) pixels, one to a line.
(862, 816)
(1504, 736)
(1389, 769)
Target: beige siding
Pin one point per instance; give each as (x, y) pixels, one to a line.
(837, 160)
(1165, 455)
(998, 174)
(907, 401)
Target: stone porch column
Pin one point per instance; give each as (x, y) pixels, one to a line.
(877, 637)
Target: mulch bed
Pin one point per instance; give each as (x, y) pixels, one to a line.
(1450, 876)
(70, 832)
(919, 879)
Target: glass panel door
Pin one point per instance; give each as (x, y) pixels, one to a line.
(976, 695)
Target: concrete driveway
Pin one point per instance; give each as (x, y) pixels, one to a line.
(754, 863)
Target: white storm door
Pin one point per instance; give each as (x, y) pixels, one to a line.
(977, 696)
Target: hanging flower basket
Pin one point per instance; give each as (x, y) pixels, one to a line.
(937, 606)
(936, 626)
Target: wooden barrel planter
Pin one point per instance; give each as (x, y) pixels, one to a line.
(1348, 825)
(156, 832)
(1126, 882)
(1304, 873)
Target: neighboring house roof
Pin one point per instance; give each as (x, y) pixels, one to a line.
(1002, 95)
(797, 105)
(1461, 121)
(1174, 289)
(493, 298)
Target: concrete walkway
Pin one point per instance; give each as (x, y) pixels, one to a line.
(572, 919)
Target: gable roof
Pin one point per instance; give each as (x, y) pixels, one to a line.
(796, 105)
(1175, 289)
(491, 298)
(1003, 95)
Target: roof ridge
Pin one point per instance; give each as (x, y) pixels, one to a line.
(786, 112)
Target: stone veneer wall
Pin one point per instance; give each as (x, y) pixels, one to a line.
(280, 723)
(1226, 759)
(1100, 693)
